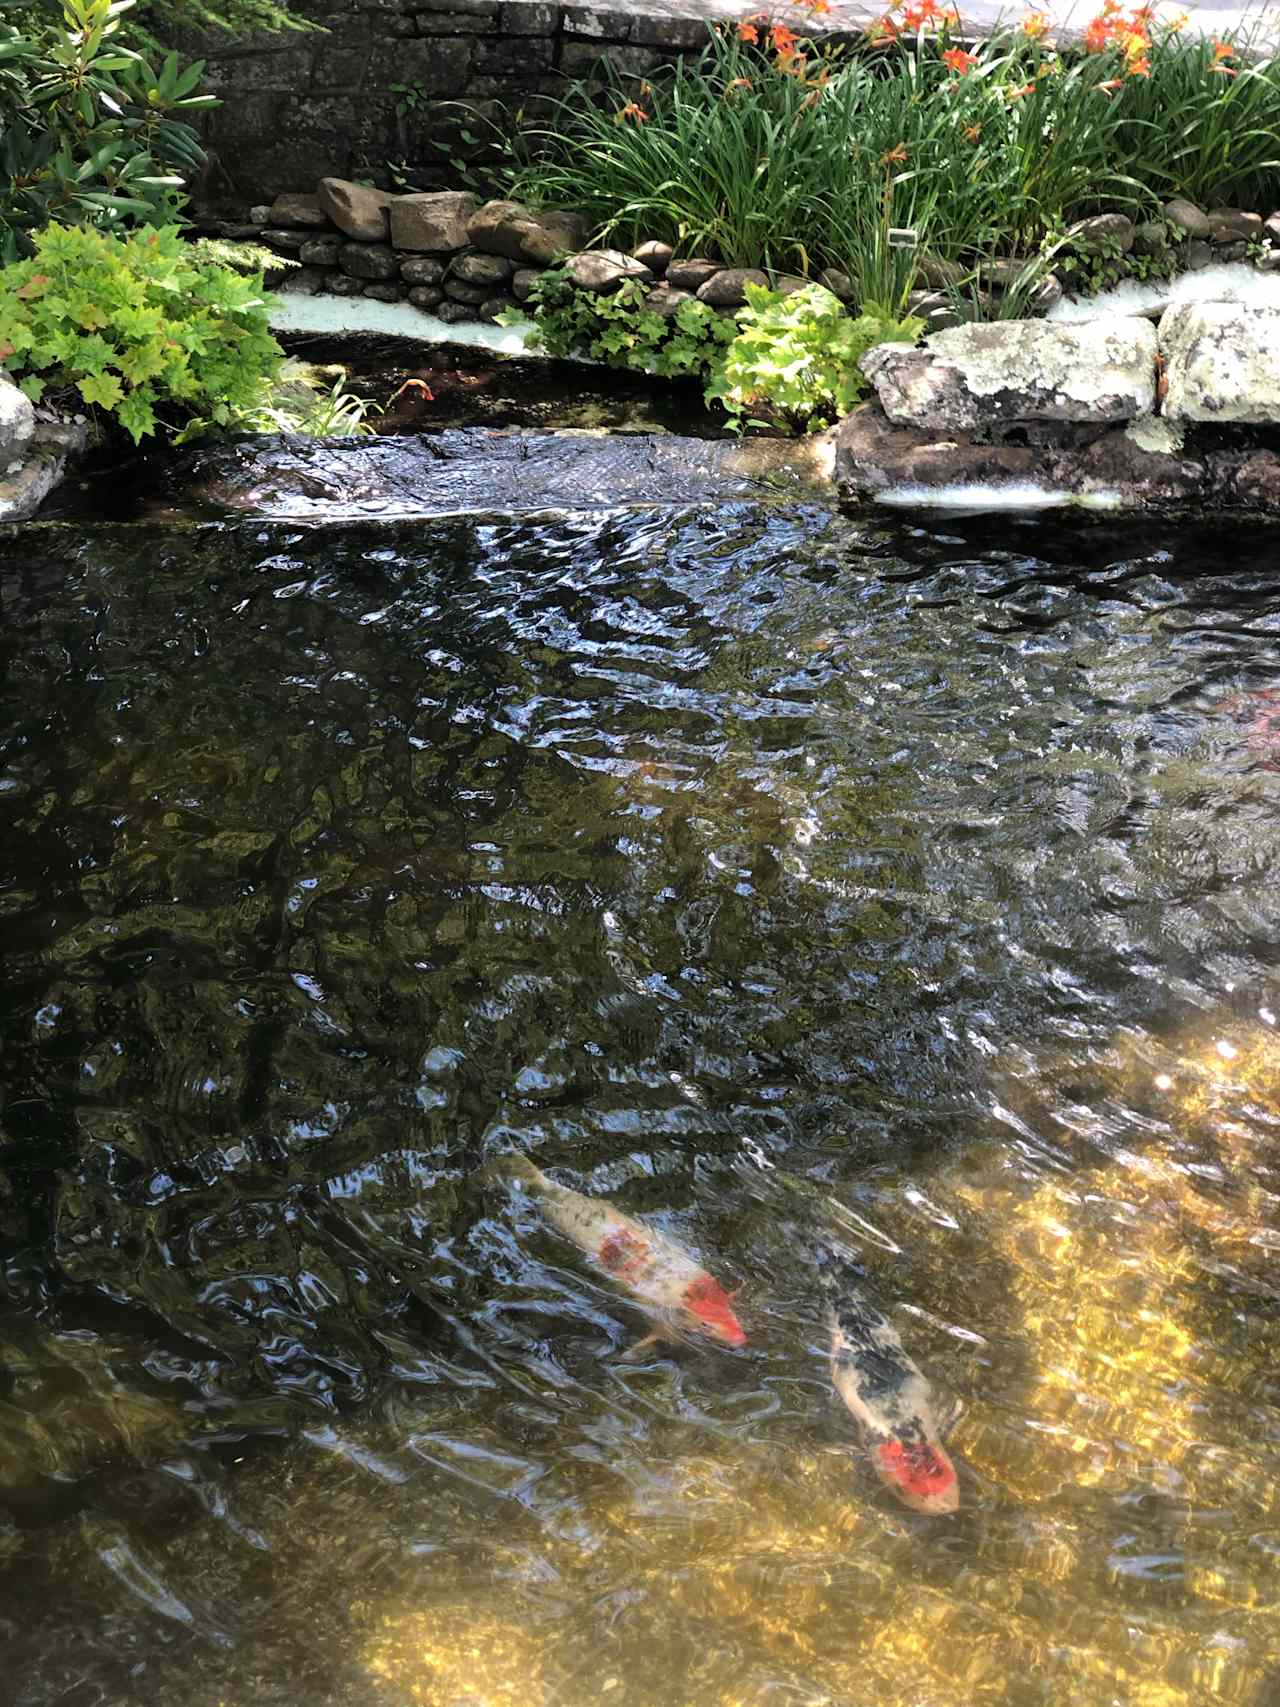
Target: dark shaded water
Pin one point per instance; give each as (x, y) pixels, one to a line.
(934, 864)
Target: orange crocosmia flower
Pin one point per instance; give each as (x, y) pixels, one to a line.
(1111, 85)
(747, 31)
(1019, 94)
(782, 40)
(884, 29)
(894, 157)
(817, 7)
(957, 60)
(1223, 50)
(740, 83)
(1140, 67)
(1036, 24)
(973, 133)
(633, 111)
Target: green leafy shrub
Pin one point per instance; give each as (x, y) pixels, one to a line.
(137, 328)
(90, 132)
(619, 329)
(795, 357)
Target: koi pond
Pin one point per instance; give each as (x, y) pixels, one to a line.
(729, 859)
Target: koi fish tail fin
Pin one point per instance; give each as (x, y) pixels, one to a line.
(517, 1169)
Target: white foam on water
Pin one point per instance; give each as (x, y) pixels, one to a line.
(1016, 495)
(1230, 282)
(290, 311)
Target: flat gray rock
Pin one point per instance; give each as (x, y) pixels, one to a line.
(1222, 362)
(981, 375)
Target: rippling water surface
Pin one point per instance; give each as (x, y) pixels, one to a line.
(932, 867)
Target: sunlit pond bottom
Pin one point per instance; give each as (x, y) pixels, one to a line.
(751, 867)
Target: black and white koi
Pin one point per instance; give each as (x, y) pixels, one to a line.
(889, 1398)
(651, 1266)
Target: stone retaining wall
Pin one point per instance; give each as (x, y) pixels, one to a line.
(296, 107)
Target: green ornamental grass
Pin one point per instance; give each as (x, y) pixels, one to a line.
(766, 152)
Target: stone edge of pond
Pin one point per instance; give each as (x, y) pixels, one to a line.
(1115, 411)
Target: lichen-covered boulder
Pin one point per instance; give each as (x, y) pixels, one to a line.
(516, 231)
(1222, 362)
(432, 223)
(358, 212)
(17, 422)
(976, 376)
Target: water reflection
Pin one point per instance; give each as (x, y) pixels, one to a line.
(933, 871)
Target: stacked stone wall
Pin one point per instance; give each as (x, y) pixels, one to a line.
(299, 107)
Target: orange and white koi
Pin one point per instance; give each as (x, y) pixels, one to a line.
(889, 1398)
(650, 1265)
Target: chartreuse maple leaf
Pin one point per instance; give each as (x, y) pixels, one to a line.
(102, 388)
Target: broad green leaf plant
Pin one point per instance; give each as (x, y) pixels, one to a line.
(139, 329)
(795, 358)
(618, 328)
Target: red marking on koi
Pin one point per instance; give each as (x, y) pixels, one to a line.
(623, 1255)
(710, 1303)
(923, 1474)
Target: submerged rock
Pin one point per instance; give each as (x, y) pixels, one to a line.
(1149, 462)
(1018, 370)
(474, 469)
(873, 455)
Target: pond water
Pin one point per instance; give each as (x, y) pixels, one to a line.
(720, 858)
